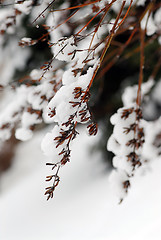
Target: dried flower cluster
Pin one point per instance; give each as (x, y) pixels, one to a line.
(135, 141)
(78, 37)
(127, 142)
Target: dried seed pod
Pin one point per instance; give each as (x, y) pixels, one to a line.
(52, 113)
(92, 128)
(126, 185)
(131, 128)
(126, 113)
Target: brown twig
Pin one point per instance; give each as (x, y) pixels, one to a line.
(142, 35)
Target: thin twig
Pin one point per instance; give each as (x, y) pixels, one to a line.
(49, 5)
(108, 43)
(74, 7)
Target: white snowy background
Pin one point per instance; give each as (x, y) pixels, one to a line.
(84, 207)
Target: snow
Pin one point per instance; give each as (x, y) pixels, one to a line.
(84, 207)
(53, 21)
(23, 134)
(152, 129)
(48, 145)
(8, 65)
(11, 109)
(24, 7)
(6, 17)
(148, 22)
(130, 93)
(36, 74)
(157, 18)
(64, 49)
(63, 97)
(156, 92)
(122, 140)
(141, 2)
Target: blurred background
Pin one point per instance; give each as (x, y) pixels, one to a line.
(84, 206)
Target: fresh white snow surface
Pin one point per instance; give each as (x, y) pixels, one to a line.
(84, 207)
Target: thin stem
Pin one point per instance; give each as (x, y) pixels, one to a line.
(66, 20)
(96, 29)
(142, 34)
(117, 53)
(90, 21)
(108, 43)
(125, 14)
(74, 7)
(43, 11)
